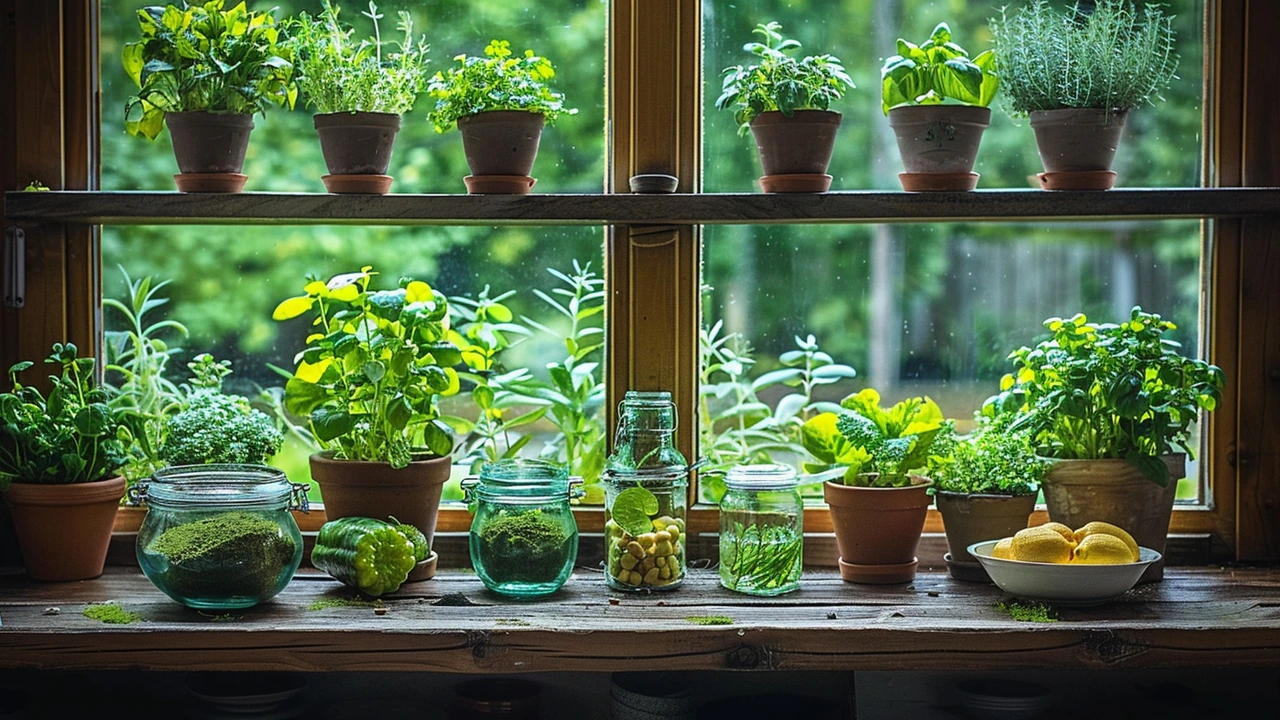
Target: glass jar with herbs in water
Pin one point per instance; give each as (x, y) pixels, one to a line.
(761, 530)
(220, 537)
(524, 540)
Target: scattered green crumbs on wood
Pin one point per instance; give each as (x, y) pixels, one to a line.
(326, 603)
(1028, 610)
(110, 613)
(709, 620)
(513, 621)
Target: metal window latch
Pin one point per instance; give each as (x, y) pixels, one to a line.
(15, 267)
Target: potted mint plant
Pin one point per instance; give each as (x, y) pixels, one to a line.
(500, 103)
(359, 91)
(1113, 404)
(937, 100)
(785, 102)
(205, 72)
(879, 504)
(60, 460)
(368, 384)
(1078, 73)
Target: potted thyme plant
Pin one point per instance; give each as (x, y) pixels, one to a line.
(359, 91)
(500, 103)
(60, 460)
(785, 103)
(205, 72)
(214, 427)
(878, 507)
(1113, 404)
(985, 485)
(368, 383)
(937, 100)
(1078, 73)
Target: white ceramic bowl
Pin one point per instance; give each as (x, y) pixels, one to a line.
(1062, 583)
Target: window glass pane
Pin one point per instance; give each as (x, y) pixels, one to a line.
(1160, 146)
(916, 310)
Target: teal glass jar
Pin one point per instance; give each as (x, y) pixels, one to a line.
(524, 540)
(761, 530)
(220, 537)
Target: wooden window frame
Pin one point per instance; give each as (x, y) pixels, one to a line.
(48, 132)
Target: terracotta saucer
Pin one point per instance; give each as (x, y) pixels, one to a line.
(210, 182)
(424, 570)
(892, 574)
(795, 183)
(499, 184)
(366, 184)
(967, 571)
(1078, 180)
(938, 182)
(653, 183)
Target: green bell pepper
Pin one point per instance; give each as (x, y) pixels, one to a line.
(368, 554)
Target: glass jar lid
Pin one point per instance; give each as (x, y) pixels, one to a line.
(221, 486)
(522, 479)
(766, 476)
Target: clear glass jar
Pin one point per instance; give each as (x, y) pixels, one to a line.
(220, 537)
(761, 530)
(646, 497)
(524, 540)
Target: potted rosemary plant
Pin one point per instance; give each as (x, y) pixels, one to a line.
(937, 100)
(1078, 73)
(878, 507)
(368, 383)
(205, 72)
(785, 103)
(1113, 404)
(500, 103)
(359, 91)
(60, 460)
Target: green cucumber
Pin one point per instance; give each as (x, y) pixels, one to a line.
(368, 554)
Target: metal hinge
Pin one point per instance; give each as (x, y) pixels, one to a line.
(15, 267)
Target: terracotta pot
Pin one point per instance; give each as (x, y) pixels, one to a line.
(940, 140)
(209, 142)
(968, 519)
(64, 530)
(878, 529)
(798, 145)
(1077, 139)
(353, 488)
(1113, 491)
(357, 143)
(501, 142)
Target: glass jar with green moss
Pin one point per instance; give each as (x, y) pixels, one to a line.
(524, 540)
(220, 537)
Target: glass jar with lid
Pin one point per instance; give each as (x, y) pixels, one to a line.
(761, 530)
(220, 537)
(524, 540)
(646, 497)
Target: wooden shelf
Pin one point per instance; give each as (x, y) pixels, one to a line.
(253, 208)
(1197, 617)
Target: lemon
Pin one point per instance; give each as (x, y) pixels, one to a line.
(1102, 549)
(1062, 530)
(1041, 544)
(1003, 549)
(1102, 528)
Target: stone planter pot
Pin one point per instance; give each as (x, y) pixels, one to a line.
(1077, 147)
(968, 519)
(1113, 491)
(878, 529)
(939, 145)
(64, 530)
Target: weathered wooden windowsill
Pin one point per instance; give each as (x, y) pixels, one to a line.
(1197, 617)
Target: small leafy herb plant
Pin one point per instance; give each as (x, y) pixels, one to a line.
(497, 81)
(338, 74)
(992, 460)
(879, 447)
(200, 57)
(937, 71)
(779, 82)
(213, 427)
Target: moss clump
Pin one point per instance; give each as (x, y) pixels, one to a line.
(710, 620)
(326, 603)
(111, 614)
(1028, 610)
(526, 546)
(230, 554)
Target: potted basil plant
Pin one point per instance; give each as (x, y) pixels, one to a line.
(359, 90)
(1113, 404)
(937, 100)
(1078, 73)
(985, 486)
(878, 507)
(500, 104)
(60, 460)
(205, 72)
(368, 383)
(785, 102)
